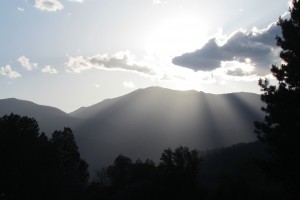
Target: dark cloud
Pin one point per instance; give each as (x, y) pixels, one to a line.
(205, 59)
(257, 45)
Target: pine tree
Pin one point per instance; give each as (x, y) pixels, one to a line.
(29, 167)
(73, 168)
(280, 130)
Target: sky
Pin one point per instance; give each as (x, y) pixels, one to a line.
(73, 53)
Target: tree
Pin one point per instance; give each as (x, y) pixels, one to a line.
(179, 172)
(34, 167)
(29, 168)
(280, 130)
(127, 180)
(120, 172)
(181, 160)
(73, 169)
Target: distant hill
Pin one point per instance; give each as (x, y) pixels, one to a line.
(49, 118)
(146, 121)
(237, 160)
(143, 123)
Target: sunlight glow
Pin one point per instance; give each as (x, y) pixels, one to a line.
(176, 34)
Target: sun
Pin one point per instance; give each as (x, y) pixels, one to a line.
(172, 36)
(176, 34)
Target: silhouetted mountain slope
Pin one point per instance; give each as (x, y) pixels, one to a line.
(146, 121)
(88, 112)
(229, 161)
(143, 123)
(239, 172)
(49, 118)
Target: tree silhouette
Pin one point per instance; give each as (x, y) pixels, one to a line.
(125, 180)
(179, 173)
(29, 168)
(120, 172)
(280, 130)
(34, 167)
(73, 169)
(174, 178)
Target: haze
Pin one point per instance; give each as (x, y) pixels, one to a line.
(73, 53)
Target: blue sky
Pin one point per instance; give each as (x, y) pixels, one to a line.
(73, 53)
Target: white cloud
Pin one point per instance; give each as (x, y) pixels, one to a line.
(77, 1)
(159, 2)
(48, 5)
(7, 71)
(97, 86)
(236, 68)
(119, 61)
(20, 9)
(129, 84)
(234, 71)
(49, 69)
(78, 64)
(26, 63)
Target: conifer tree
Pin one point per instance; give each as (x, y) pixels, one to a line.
(280, 130)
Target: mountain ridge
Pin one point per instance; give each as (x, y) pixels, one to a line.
(144, 122)
(49, 118)
(83, 109)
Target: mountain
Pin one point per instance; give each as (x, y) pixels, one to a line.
(143, 123)
(236, 161)
(146, 121)
(49, 118)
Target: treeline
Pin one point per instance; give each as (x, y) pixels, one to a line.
(175, 177)
(233, 173)
(36, 167)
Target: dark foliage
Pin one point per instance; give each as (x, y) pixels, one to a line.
(280, 130)
(174, 178)
(29, 168)
(234, 173)
(227, 173)
(34, 167)
(73, 170)
(179, 173)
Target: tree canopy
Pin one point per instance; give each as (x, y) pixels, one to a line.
(280, 130)
(34, 167)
